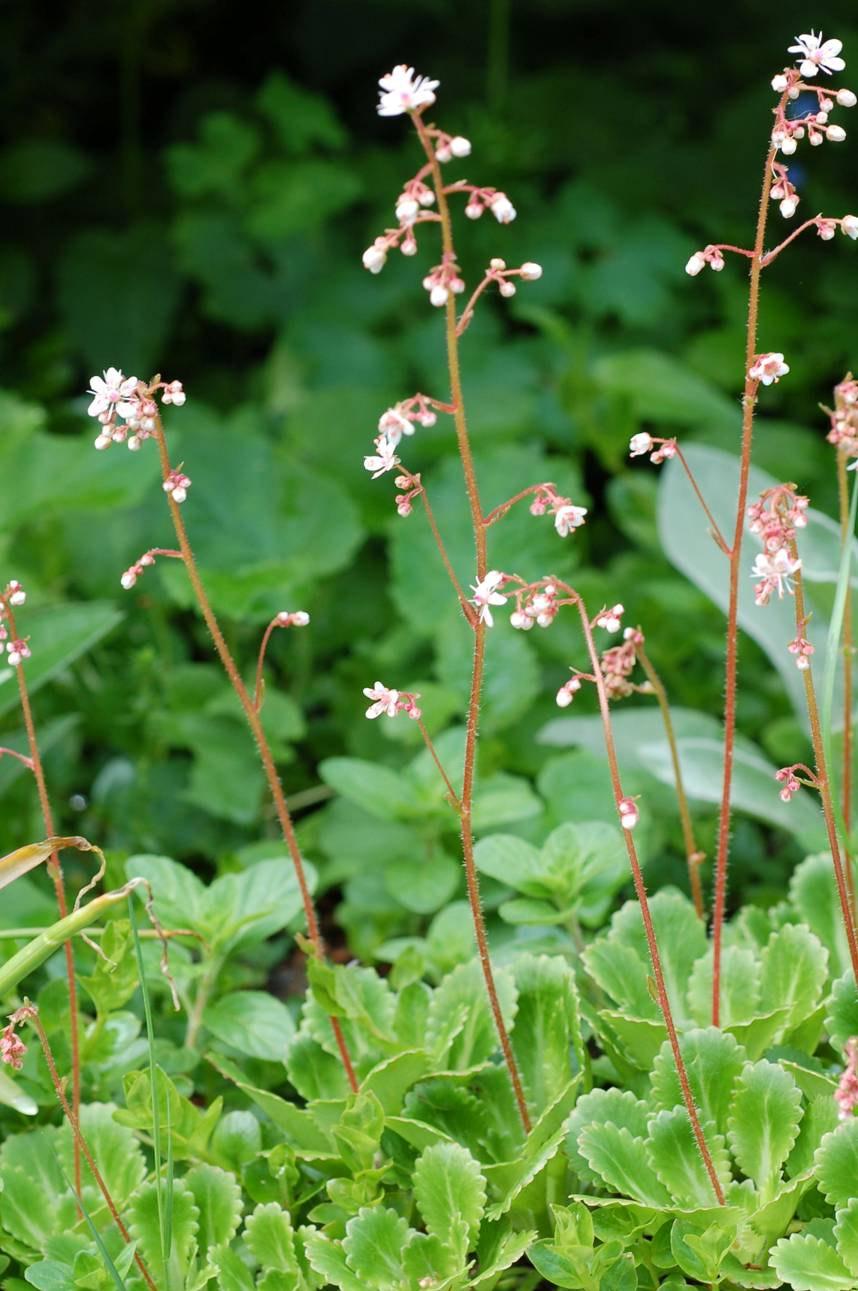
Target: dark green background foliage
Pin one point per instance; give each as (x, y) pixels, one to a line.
(190, 187)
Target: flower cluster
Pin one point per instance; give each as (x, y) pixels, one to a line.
(535, 607)
(846, 1093)
(801, 649)
(486, 199)
(390, 702)
(643, 443)
(15, 647)
(618, 663)
(814, 55)
(292, 619)
(790, 782)
(177, 485)
(567, 516)
(568, 691)
(116, 396)
(443, 281)
(775, 519)
(710, 256)
(768, 369)
(12, 1048)
(629, 814)
(844, 416)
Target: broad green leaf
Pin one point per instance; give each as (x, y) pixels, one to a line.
(143, 1223)
(512, 679)
(423, 884)
(390, 1080)
(571, 1267)
(662, 389)
(328, 1259)
(677, 1161)
(232, 1273)
(617, 1107)
(621, 972)
(836, 1163)
(373, 1244)
(841, 1021)
(218, 1198)
(501, 799)
(511, 861)
(361, 999)
(546, 1037)
(508, 1179)
(237, 1139)
(699, 1248)
(190, 1127)
(268, 1232)
(807, 1263)
(765, 1114)
(254, 1022)
(794, 972)
(314, 1071)
(846, 1233)
(622, 1162)
(179, 896)
(240, 909)
(305, 1136)
(680, 935)
(449, 1187)
(740, 987)
(819, 1119)
(713, 1060)
(58, 634)
(378, 790)
(114, 1148)
(429, 1257)
(813, 895)
(49, 1275)
(503, 1252)
(460, 1027)
(12, 1095)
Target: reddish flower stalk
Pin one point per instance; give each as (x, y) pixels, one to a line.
(730, 680)
(822, 782)
(846, 785)
(466, 797)
(254, 722)
(643, 901)
(56, 872)
(29, 1013)
(694, 856)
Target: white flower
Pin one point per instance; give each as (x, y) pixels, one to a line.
(502, 208)
(768, 368)
(402, 91)
(112, 394)
(384, 700)
(779, 83)
(486, 595)
(629, 814)
(835, 134)
(407, 210)
(384, 459)
(460, 146)
(846, 98)
(374, 258)
(610, 619)
(566, 693)
(567, 518)
(438, 295)
(789, 206)
(393, 425)
(849, 225)
(814, 53)
(530, 271)
(775, 574)
(16, 594)
(640, 444)
(695, 264)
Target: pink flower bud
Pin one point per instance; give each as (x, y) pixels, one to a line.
(779, 83)
(374, 259)
(846, 98)
(629, 814)
(507, 288)
(474, 210)
(849, 225)
(460, 146)
(438, 296)
(695, 264)
(530, 271)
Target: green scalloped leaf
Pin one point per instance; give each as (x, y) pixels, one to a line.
(460, 1027)
(765, 1115)
(677, 1161)
(813, 895)
(328, 1259)
(622, 1162)
(846, 1235)
(269, 1234)
(699, 1247)
(617, 1106)
(144, 1225)
(808, 1263)
(218, 1198)
(713, 1059)
(448, 1187)
(740, 987)
(793, 973)
(836, 1163)
(373, 1245)
(841, 1022)
(546, 1037)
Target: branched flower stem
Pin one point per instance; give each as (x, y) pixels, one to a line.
(749, 400)
(466, 797)
(823, 783)
(56, 873)
(31, 1015)
(693, 854)
(255, 723)
(640, 890)
(713, 523)
(846, 786)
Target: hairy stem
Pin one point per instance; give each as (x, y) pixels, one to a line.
(749, 399)
(466, 797)
(693, 854)
(56, 873)
(713, 523)
(32, 1016)
(255, 723)
(846, 786)
(649, 930)
(821, 776)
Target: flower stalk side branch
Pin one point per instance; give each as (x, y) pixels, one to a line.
(255, 723)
